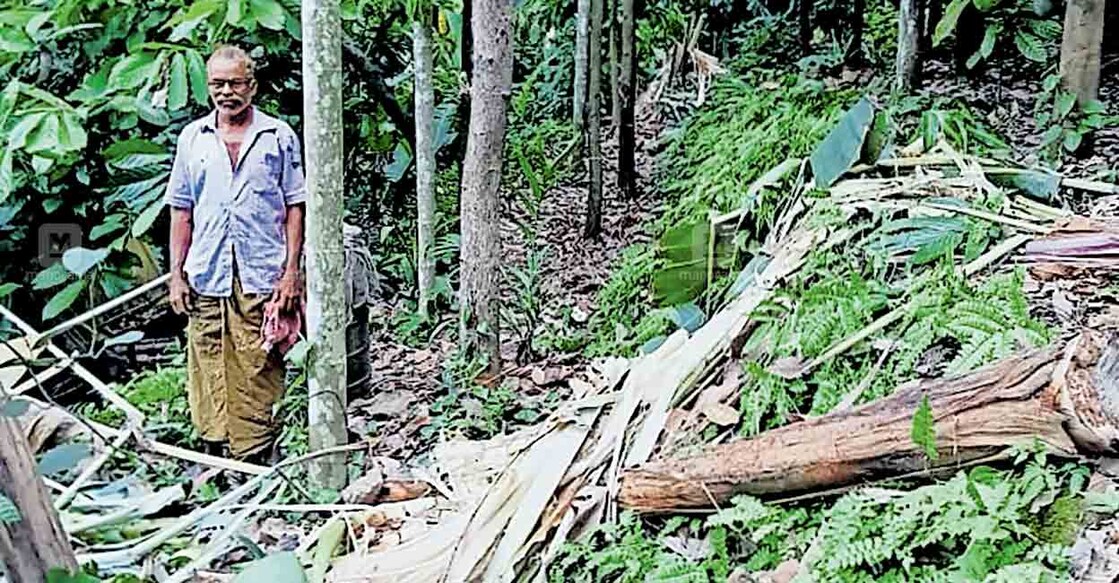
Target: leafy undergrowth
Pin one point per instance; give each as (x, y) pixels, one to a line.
(983, 524)
(161, 396)
(749, 125)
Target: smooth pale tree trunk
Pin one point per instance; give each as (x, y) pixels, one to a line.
(579, 96)
(593, 224)
(908, 41)
(35, 543)
(425, 160)
(626, 93)
(326, 300)
(1081, 48)
(480, 269)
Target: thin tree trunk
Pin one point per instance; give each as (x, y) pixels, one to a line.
(930, 12)
(593, 223)
(326, 300)
(425, 160)
(1062, 398)
(480, 270)
(627, 137)
(804, 22)
(579, 96)
(34, 543)
(908, 41)
(610, 26)
(466, 41)
(858, 25)
(1081, 48)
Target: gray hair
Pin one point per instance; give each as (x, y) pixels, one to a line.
(234, 53)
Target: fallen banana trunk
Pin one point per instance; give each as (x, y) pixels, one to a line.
(1067, 399)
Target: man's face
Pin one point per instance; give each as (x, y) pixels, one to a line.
(231, 86)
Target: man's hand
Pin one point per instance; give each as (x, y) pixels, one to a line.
(181, 301)
(289, 291)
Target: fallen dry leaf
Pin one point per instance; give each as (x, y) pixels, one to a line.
(720, 414)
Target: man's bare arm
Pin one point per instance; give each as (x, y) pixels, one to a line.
(182, 227)
(290, 289)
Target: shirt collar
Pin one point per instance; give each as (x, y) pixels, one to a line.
(261, 122)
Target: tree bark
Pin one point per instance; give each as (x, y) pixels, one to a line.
(326, 300)
(610, 27)
(804, 26)
(579, 90)
(1062, 398)
(627, 136)
(466, 41)
(35, 543)
(425, 160)
(858, 25)
(908, 41)
(593, 224)
(481, 180)
(1081, 48)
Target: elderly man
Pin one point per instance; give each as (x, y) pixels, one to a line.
(237, 204)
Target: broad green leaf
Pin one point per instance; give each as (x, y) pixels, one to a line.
(63, 458)
(27, 124)
(986, 5)
(41, 165)
(688, 316)
(109, 226)
(177, 84)
(53, 276)
(133, 146)
(184, 23)
(133, 70)
(842, 147)
(401, 160)
(1039, 184)
(1072, 141)
(947, 24)
(1050, 83)
(9, 514)
(45, 137)
(130, 337)
(80, 260)
(234, 12)
(1051, 135)
(682, 251)
(150, 113)
(72, 135)
(329, 540)
(196, 68)
(278, 568)
(52, 204)
(652, 344)
(1031, 47)
(1065, 102)
(268, 13)
(987, 46)
(923, 431)
(63, 299)
(7, 178)
(6, 289)
(146, 218)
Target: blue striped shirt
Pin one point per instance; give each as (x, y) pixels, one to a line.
(239, 213)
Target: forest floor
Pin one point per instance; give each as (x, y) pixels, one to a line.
(407, 381)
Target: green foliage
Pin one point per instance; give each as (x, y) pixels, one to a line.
(985, 524)
(1066, 124)
(623, 322)
(1014, 22)
(9, 514)
(923, 431)
(161, 396)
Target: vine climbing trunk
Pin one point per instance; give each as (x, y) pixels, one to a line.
(593, 223)
(480, 273)
(1064, 398)
(425, 159)
(905, 76)
(579, 88)
(626, 94)
(326, 301)
(1081, 48)
(32, 542)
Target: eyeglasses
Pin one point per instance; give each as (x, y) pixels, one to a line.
(238, 85)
